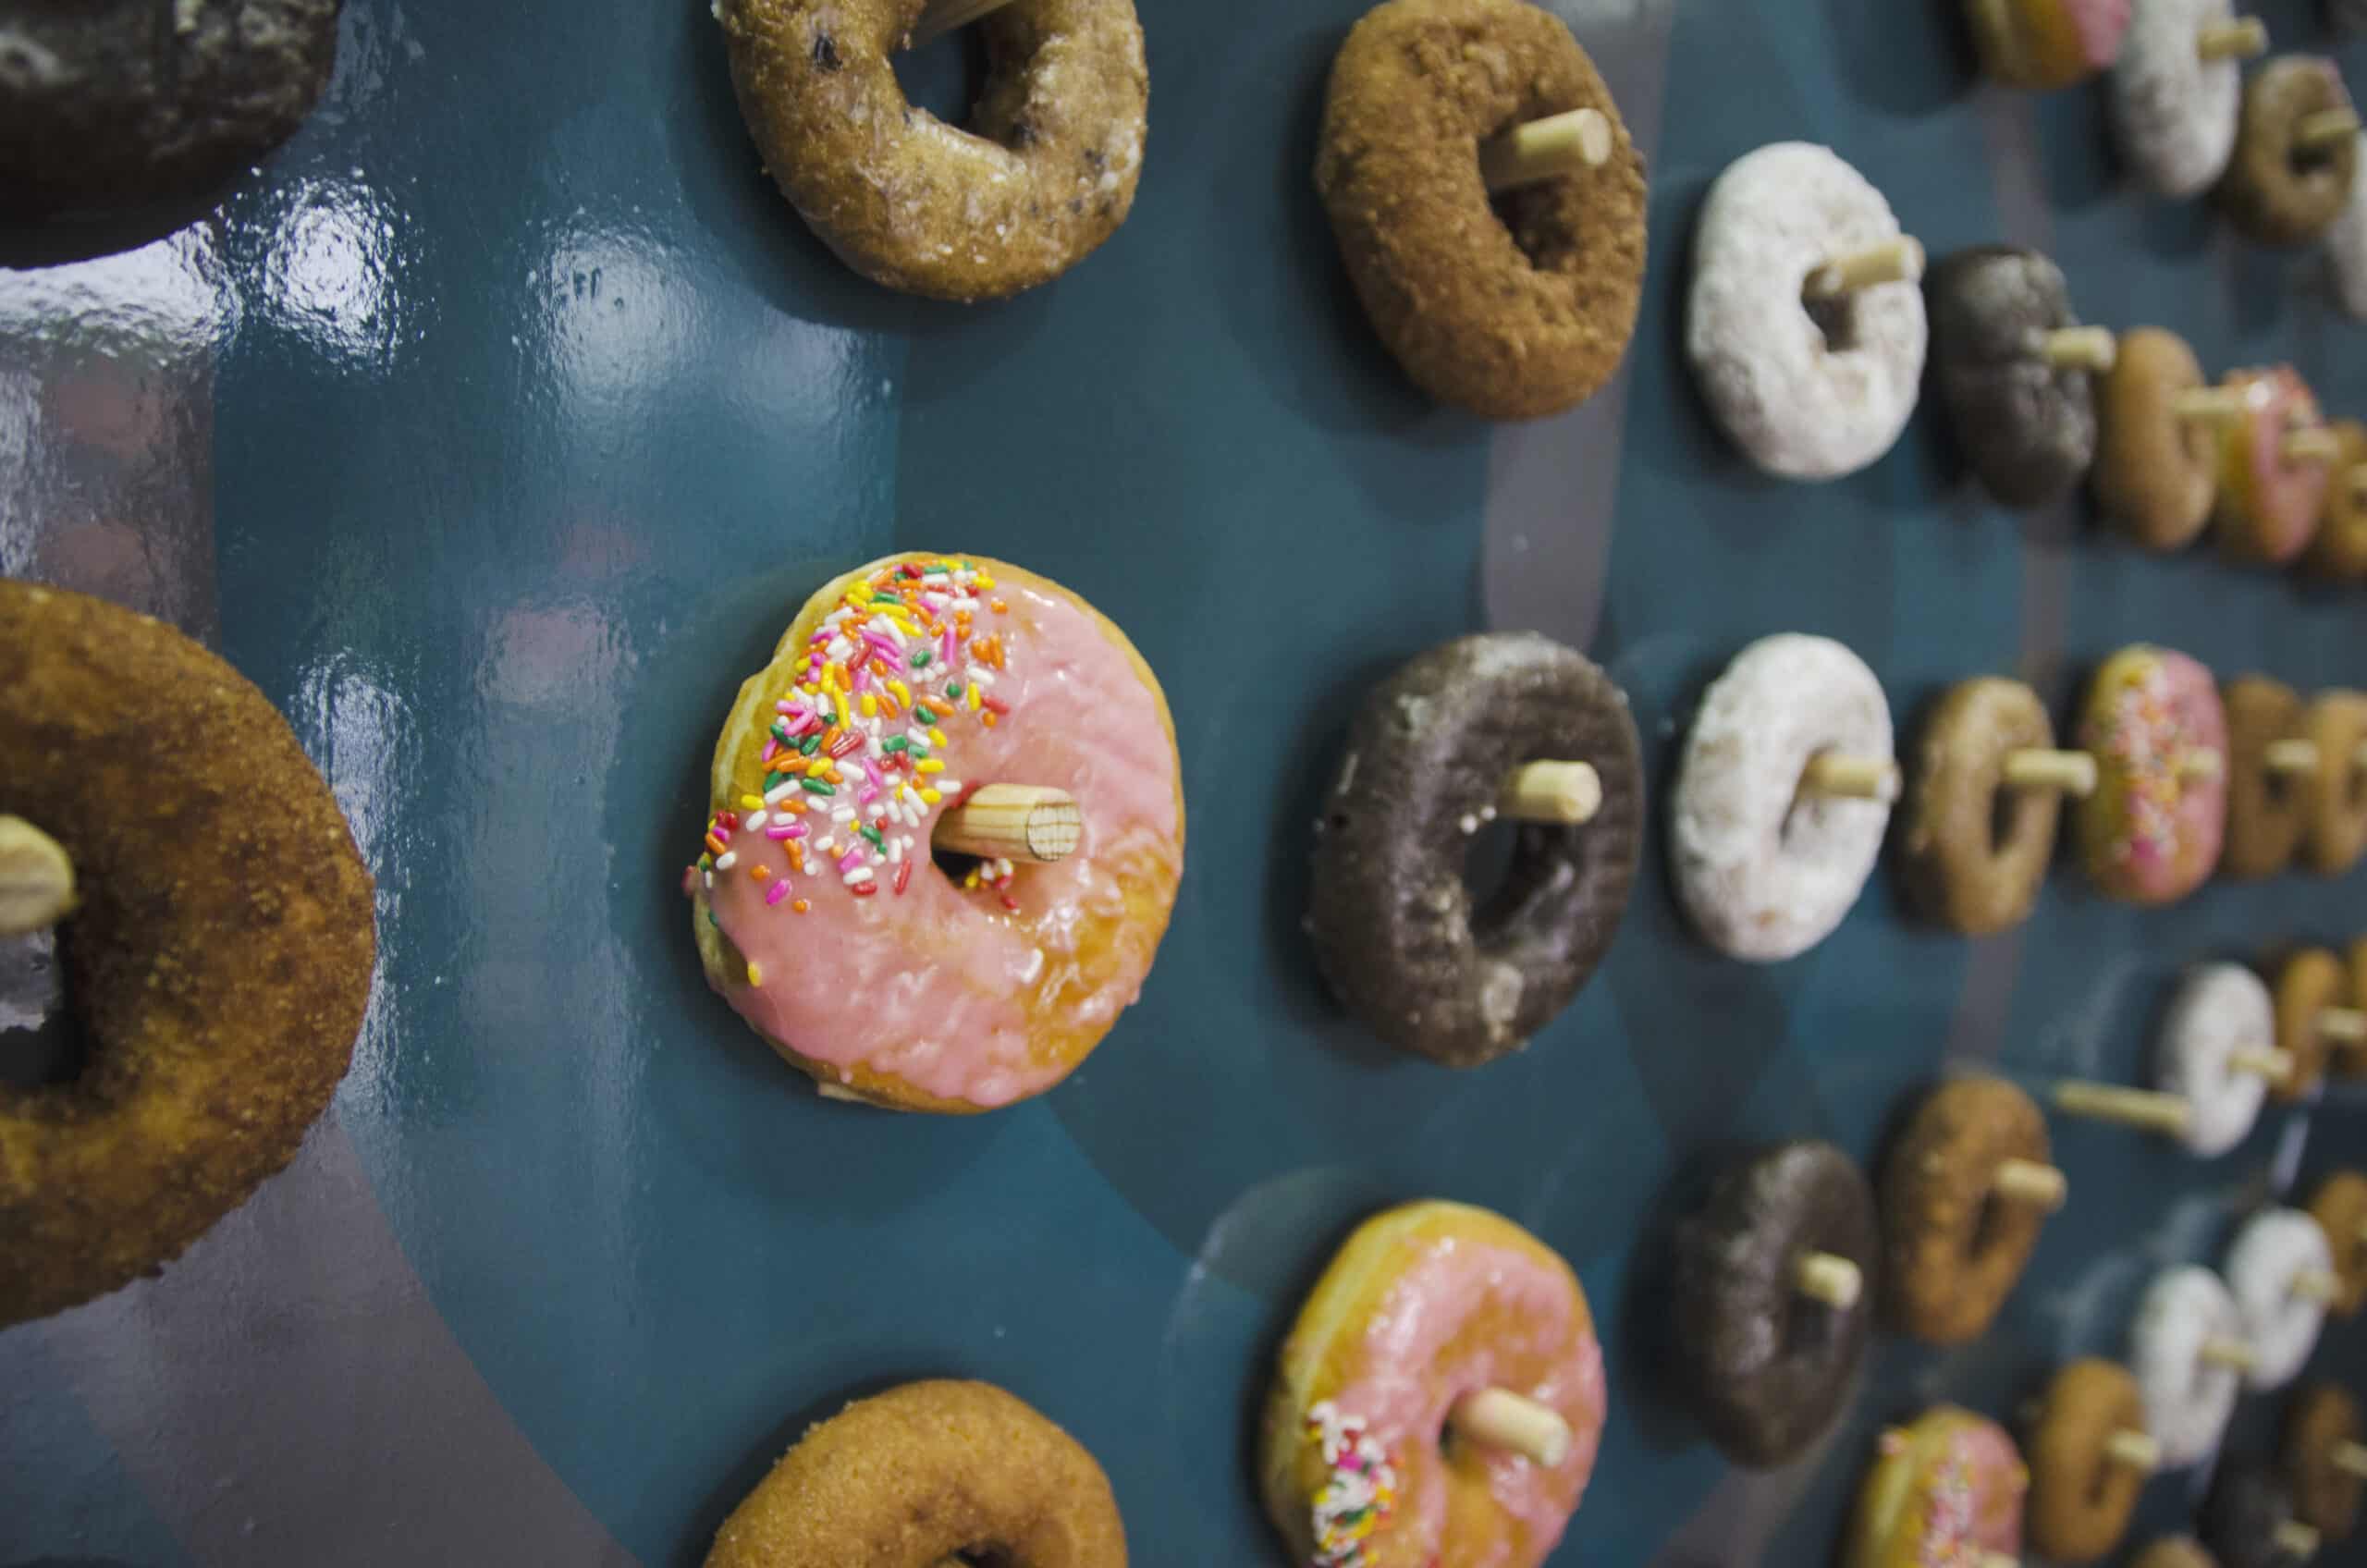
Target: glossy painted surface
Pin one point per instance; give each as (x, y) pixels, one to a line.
(499, 425)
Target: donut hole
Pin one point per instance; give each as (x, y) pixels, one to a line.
(1538, 218)
(974, 77)
(1836, 317)
(41, 1041)
(1988, 1226)
(1488, 853)
(983, 1557)
(2005, 811)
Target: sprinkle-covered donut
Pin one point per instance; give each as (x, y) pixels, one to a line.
(1439, 1400)
(2277, 1269)
(2321, 1456)
(2337, 835)
(1805, 393)
(2174, 103)
(2150, 832)
(1431, 757)
(2023, 417)
(2083, 1485)
(928, 1472)
(1044, 172)
(2157, 471)
(2266, 803)
(2283, 186)
(2339, 1206)
(2337, 551)
(2188, 1394)
(1765, 1355)
(2246, 1517)
(2046, 44)
(1954, 1240)
(1515, 308)
(1975, 848)
(1765, 867)
(1946, 1491)
(2270, 499)
(2346, 245)
(2310, 981)
(2219, 1026)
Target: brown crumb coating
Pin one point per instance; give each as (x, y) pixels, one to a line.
(1952, 1252)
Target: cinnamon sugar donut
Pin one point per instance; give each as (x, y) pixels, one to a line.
(2339, 552)
(2336, 834)
(2276, 190)
(2266, 808)
(1952, 1244)
(2339, 1206)
(2310, 981)
(1976, 851)
(2081, 1496)
(2321, 1420)
(2156, 474)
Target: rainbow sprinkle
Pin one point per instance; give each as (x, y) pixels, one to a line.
(854, 757)
(1359, 1490)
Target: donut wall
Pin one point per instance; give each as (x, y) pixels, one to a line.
(498, 424)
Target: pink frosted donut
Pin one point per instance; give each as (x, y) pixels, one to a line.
(2150, 832)
(2268, 508)
(2047, 43)
(1946, 1491)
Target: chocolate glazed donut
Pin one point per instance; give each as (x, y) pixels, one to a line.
(1765, 1368)
(2241, 1517)
(1395, 933)
(2027, 427)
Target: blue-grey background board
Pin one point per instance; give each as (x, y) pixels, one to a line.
(498, 426)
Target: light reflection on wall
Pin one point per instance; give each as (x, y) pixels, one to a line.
(330, 272)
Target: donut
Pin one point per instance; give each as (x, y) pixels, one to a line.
(2268, 504)
(1945, 1490)
(2275, 1268)
(1513, 310)
(1805, 392)
(2265, 803)
(2150, 833)
(2157, 472)
(2321, 1456)
(2082, 1491)
(2350, 1057)
(2174, 1552)
(898, 693)
(2246, 1515)
(2336, 834)
(1765, 867)
(2025, 422)
(1385, 1441)
(1429, 760)
(928, 1472)
(1954, 1240)
(2189, 1392)
(1044, 172)
(217, 959)
(2309, 983)
(2337, 551)
(2283, 186)
(1976, 848)
(2173, 106)
(2046, 44)
(2346, 246)
(2220, 1015)
(110, 105)
(1766, 1365)
(2339, 1206)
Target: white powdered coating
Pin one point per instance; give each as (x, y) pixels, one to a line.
(2173, 112)
(2221, 1008)
(1767, 873)
(1795, 406)
(2275, 1247)
(2346, 247)
(2187, 1400)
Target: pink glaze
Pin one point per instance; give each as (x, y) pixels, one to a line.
(2158, 817)
(936, 985)
(1967, 1499)
(2101, 24)
(2286, 497)
(1409, 1385)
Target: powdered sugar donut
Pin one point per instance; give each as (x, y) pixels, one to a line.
(1765, 870)
(2173, 111)
(2220, 1010)
(2347, 246)
(2278, 1268)
(2188, 1396)
(1806, 396)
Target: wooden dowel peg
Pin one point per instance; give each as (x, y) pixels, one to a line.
(2077, 348)
(838, 1091)
(2292, 759)
(1014, 822)
(1847, 778)
(1546, 149)
(2198, 403)
(2318, 1285)
(1892, 260)
(2027, 1180)
(36, 879)
(2297, 1539)
(2146, 1109)
(2350, 1457)
(1822, 1276)
(2201, 766)
(1500, 1418)
(2356, 478)
(941, 16)
(2262, 1062)
(2347, 1025)
(2317, 445)
(2232, 1355)
(1999, 1560)
(2133, 1450)
(2071, 773)
(1567, 793)
(2243, 38)
(2317, 132)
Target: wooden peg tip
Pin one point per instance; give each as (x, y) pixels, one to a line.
(2133, 1450)
(2262, 1062)
(36, 879)
(2232, 1355)
(1500, 1418)
(2198, 403)
(2242, 38)
(2069, 773)
(1566, 792)
(2297, 1539)
(2147, 1109)
(2324, 130)
(2318, 1286)
(1848, 777)
(1014, 822)
(1546, 149)
(1822, 1276)
(2350, 1457)
(2313, 444)
(2291, 759)
(2345, 1025)
(2027, 1180)
(1892, 261)
(2077, 348)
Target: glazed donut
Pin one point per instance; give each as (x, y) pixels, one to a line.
(1042, 175)
(1766, 1352)
(1766, 864)
(1434, 1315)
(1805, 392)
(2286, 186)
(2270, 498)
(2324, 1459)
(2215, 1053)
(2248, 1519)
(835, 770)
(2174, 1552)
(2338, 550)
(1954, 1237)
(1515, 310)
(2185, 1332)
(2336, 834)
(1970, 860)
(2174, 98)
(1433, 751)
(2046, 44)
(2339, 1206)
(2265, 802)
(2003, 351)
(928, 1472)
(2157, 471)
(2090, 1457)
(218, 957)
(1946, 1490)
(2310, 984)
(2278, 1267)
(2346, 244)
(2150, 833)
